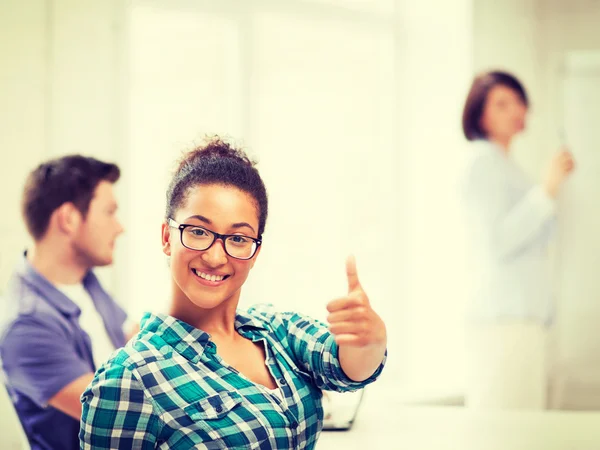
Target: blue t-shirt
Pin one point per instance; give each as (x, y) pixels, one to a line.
(43, 349)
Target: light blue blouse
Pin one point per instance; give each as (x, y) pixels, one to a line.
(510, 222)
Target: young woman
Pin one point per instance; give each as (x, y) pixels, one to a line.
(510, 220)
(209, 375)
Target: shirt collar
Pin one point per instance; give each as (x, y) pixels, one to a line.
(49, 292)
(187, 340)
(245, 320)
(184, 338)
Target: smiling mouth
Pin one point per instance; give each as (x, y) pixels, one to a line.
(209, 277)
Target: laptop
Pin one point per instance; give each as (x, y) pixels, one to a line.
(340, 409)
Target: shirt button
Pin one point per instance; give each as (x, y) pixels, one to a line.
(219, 409)
(282, 381)
(294, 424)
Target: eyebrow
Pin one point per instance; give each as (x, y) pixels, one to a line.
(208, 222)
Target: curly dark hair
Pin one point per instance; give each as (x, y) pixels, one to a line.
(217, 162)
(72, 178)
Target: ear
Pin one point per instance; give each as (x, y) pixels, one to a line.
(166, 239)
(68, 218)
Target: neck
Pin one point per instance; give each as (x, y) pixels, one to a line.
(503, 142)
(58, 264)
(218, 321)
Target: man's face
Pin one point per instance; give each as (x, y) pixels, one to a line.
(94, 240)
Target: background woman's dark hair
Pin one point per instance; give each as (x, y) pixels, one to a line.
(72, 178)
(217, 162)
(481, 87)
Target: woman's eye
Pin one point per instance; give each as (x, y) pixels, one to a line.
(198, 232)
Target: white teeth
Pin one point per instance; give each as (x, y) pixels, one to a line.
(209, 277)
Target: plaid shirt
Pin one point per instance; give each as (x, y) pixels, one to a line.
(168, 388)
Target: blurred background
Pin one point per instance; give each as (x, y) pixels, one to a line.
(353, 109)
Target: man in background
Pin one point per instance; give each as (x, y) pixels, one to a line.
(61, 325)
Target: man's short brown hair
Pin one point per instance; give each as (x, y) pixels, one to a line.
(72, 178)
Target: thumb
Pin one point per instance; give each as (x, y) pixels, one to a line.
(352, 274)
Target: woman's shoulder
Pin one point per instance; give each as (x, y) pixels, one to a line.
(482, 144)
(483, 161)
(260, 314)
(267, 316)
(267, 313)
(139, 351)
(481, 150)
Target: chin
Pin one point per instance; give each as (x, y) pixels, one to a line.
(205, 303)
(101, 262)
(207, 299)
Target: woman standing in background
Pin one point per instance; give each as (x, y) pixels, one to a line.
(510, 221)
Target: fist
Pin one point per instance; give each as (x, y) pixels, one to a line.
(559, 169)
(351, 319)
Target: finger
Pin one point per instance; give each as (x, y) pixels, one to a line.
(347, 315)
(348, 339)
(563, 157)
(352, 274)
(344, 303)
(345, 328)
(568, 165)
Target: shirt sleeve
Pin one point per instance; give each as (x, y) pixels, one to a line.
(39, 360)
(116, 413)
(315, 351)
(514, 223)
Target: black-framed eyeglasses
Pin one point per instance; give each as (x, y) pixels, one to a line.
(199, 238)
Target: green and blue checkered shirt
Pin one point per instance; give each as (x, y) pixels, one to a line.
(169, 389)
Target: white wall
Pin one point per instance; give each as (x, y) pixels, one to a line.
(23, 118)
(435, 66)
(86, 98)
(62, 78)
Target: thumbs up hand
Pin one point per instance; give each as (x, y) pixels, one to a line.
(351, 319)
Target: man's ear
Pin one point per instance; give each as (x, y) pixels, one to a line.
(67, 218)
(166, 239)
